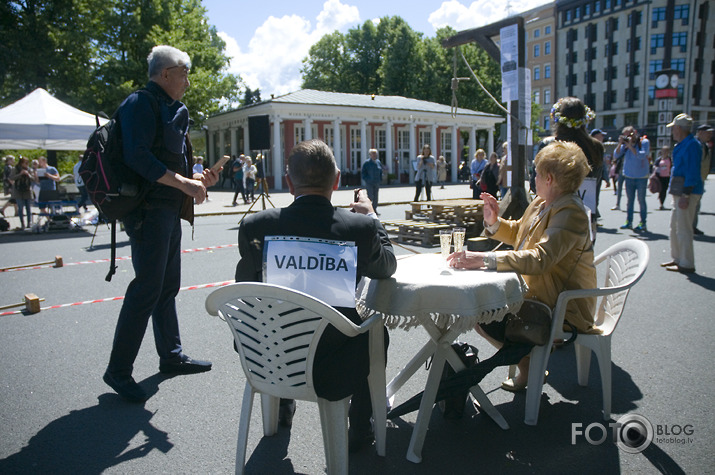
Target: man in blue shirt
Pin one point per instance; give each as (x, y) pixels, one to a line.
(686, 186)
(372, 176)
(156, 149)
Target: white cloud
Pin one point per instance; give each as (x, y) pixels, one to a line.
(482, 12)
(273, 60)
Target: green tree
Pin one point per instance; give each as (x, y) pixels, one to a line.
(324, 68)
(402, 58)
(93, 53)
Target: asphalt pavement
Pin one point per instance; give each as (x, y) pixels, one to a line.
(58, 416)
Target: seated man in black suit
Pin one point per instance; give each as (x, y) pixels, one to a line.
(342, 364)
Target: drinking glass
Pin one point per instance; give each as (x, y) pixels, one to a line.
(458, 236)
(445, 239)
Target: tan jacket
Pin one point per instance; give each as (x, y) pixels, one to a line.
(549, 258)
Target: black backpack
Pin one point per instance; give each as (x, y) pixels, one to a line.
(114, 188)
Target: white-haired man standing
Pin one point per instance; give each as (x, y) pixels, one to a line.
(686, 186)
(154, 125)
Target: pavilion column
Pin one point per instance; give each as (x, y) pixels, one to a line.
(413, 154)
(456, 156)
(336, 145)
(210, 146)
(490, 141)
(221, 143)
(278, 168)
(308, 129)
(363, 143)
(234, 141)
(389, 149)
(472, 142)
(246, 145)
(433, 141)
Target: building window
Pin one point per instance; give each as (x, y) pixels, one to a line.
(547, 123)
(597, 6)
(652, 117)
(547, 71)
(631, 118)
(653, 66)
(632, 94)
(681, 93)
(537, 97)
(657, 41)
(632, 69)
(298, 134)
(447, 145)
(425, 137)
(537, 50)
(547, 30)
(607, 4)
(682, 12)
(547, 47)
(355, 148)
(587, 9)
(635, 46)
(577, 12)
(329, 137)
(658, 15)
(380, 139)
(609, 121)
(537, 73)
(681, 39)
(537, 33)
(679, 65)
(634, 19)
(547, 96)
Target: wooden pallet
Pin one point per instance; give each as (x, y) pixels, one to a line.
(423, 232)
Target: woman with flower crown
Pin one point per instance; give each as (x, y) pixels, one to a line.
(569, 117)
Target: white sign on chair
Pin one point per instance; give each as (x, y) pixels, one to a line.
(322, 268)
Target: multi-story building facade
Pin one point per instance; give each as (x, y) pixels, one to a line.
(540, 27)
(608, 52)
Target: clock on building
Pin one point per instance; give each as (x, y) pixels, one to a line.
(661, 82)
(674, 81)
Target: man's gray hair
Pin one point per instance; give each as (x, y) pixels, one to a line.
(164, 56)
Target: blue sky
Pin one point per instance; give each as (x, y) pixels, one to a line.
(267, 39)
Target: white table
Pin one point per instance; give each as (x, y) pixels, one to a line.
(445, 302)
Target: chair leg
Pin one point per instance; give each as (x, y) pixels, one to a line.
(535, 384)
(334, 424)
(243, 425)
(603, 355)
(583, 363)
(269, 411)
(377, 383)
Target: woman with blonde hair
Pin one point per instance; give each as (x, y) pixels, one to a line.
(551, 243)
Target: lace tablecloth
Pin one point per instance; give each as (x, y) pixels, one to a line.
(423, 286)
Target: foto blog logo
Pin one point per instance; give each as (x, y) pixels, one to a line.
(632, 433)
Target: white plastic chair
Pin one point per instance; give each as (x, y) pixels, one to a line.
(276, 330)
(625, 263)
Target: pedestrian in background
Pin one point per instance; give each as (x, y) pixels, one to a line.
(426, 172)
(634, 150)
(686, 186)
(704, 135)
(372, 177)
(662, 170)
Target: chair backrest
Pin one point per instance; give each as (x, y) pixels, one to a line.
(623, 264)
(276, 330)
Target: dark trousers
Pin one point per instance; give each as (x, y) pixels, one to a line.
(239, 189)
(341, 368)
(155, 237)
(373, 193)
(418, 190)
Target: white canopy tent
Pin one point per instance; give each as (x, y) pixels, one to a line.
(38, 120)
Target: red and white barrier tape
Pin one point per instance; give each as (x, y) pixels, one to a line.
(123, 258)
(111, 299)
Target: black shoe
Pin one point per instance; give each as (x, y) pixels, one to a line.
(126, 388)
(358, 440)
(185, 365)
(697, 232)
(286, 411)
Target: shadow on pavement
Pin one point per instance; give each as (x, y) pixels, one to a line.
(90, 440)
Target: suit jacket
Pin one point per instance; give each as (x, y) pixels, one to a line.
(340, 362)
(556, 255)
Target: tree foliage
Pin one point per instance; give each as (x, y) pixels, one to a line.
(392, 59)
(92, 53)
